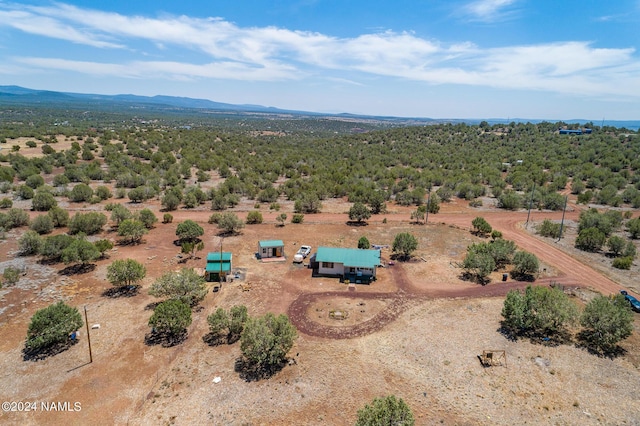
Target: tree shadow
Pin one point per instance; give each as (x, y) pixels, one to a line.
(474, 278)
(79, 268)
(522, 277)
(43, 353)
(48, 261)
(558, 338)
(585, 341)
(215, 339)
(181, 241)
(400, 257)
(122, 291)
(250, 372)
(151, 306)
(507, 332)
(357, 223)
(166, 340)
(127, 242)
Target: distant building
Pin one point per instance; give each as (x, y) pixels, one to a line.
(575, 131)
(218, 266)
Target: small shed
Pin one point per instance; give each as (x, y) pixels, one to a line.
(219, 265)
(270, 249)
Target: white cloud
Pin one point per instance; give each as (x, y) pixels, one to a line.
(164, 69)
(218, 49)
(488, 10)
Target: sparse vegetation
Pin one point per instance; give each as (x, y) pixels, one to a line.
(386, 411)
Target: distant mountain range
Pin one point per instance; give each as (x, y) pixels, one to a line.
(16, 95)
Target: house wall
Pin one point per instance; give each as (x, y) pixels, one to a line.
(330, 269)
(368, 272)
(266, 252)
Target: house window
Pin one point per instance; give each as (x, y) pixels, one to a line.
(328, 265)
(264, 251)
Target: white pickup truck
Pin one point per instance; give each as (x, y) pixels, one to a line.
(302, 253)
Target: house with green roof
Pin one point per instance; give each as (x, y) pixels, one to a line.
(218, 266)
(270, 249)
(355, 265)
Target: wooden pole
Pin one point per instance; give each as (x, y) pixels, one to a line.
(566, 198)
(530, 203)
(426, 218)
(86, 322)
(220, 274)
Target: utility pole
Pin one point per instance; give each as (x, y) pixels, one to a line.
(86, 322)
(426, 218)
(566, 198)
(533, 189)
(220, 274)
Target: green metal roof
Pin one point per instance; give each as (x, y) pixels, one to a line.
(349, 257)
(271, 243)
(214, 256)
(213, 262)
(215, 267)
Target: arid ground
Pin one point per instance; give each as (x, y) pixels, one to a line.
(416, 332)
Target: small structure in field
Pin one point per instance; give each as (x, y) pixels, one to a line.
(491, 358)
(218, 266)
(269, 249)
(352, 265)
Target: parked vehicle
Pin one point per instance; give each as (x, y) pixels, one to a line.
(302, 254)
(635, 303)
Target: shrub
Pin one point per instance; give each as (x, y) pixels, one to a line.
(623, 262)
(254, 217)
(52, 326)
(481, 226)
(386, 411)
(363, 243)
(525, 265)
(590, 239)
(171, 317)
(147, 217)
(214, 218)
(606, 321)
(42, 224)
(125, 272)
(404, 244)
(549, 229)
(81, 193)
(6, 203)
(88, 223)
(34, 181)
(266, 340)
(230, 223)
(10, 275)
(103, 192)
(167, 218)
(189, 231)
(59, 216)
(53, 246)
(132, 230)
(539, 312)
(25, 192)
(297, 218)
(43, 201)
(17, 218)
(185, 285)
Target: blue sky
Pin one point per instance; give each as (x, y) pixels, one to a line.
(537, 59)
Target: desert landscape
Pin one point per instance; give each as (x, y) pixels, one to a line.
(416, 332)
